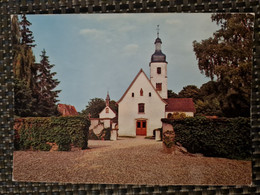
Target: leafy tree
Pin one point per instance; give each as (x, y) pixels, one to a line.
(190, 91)
(45, 86)
(172, 94)
(227, 56)
(94, 107)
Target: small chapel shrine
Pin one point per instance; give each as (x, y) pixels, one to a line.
(146, 102)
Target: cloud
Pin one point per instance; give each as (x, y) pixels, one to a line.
(172, 21)
(92, 32)
(131, 49)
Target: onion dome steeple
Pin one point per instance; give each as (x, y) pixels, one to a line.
(158, 56)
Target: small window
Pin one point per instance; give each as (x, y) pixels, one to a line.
(141, 92)
(107, 110)
(159, 70)
(150, 94)
(158, 86)
(141, 108)
(133, 94)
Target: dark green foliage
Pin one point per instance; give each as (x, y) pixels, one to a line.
(26, 34)
(64, 131)
(227, 56)
(228, 138)
(190, 91)
(96, 105)
(23, 100)
(44, 89)
(172, 94)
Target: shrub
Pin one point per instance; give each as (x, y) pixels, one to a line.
(228, 138)
(34, 133)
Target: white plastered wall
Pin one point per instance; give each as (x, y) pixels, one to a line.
(128, 108)
(159, 78)
(110, 113)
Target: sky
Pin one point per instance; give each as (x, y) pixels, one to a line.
(96, 53)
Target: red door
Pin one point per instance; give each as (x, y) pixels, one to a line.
(141, 127)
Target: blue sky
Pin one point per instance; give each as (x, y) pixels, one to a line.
(96, 53)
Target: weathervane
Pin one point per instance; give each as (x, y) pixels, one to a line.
(158, 30)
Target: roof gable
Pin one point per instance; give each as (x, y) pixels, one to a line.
(180, 105)
(132, 83)
(109, 109)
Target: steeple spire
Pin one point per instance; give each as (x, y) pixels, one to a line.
(107, 99)
(158, 29)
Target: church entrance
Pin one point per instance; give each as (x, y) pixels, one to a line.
(141, 127)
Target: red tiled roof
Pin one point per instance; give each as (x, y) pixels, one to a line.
(180, 105)
(67, 110)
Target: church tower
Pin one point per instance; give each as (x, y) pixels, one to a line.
(158, 69)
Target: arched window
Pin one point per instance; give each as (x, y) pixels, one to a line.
(133, 94)
(107, 110)
(141, 92)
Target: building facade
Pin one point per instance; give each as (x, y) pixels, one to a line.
(146, 102)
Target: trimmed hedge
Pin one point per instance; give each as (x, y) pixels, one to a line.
(34, 133)
(228, 138)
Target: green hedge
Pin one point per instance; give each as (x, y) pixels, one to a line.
(228, 138)
(34, 133)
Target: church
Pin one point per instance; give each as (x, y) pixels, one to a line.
(146, 102)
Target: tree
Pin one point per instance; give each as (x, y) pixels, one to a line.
(227, 56)
(24, 100)
(44, 89)
(94, 107)
(26, 34)
(190, 91)
(172, 94)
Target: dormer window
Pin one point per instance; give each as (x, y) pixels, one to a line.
(159, 70)
(141, 92)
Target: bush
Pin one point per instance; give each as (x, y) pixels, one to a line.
(34, 133)
(228, 138)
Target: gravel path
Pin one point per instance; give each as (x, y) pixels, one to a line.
(128, 161)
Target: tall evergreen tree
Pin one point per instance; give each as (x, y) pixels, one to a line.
(23, 69)
(26, 34)
(44, 91)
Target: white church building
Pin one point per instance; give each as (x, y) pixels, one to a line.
(146, 102)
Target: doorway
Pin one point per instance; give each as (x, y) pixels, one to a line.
(141, 127)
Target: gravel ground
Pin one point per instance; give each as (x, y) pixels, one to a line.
(128, 161)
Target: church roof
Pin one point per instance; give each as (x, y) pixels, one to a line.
(67, 110)
(141, 71)
(180, 105)
(158, 56)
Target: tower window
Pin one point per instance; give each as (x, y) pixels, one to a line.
(158, 86)
(150, 94)
(159, 70)
(133, 94)
(141, 92)
(141, 108)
